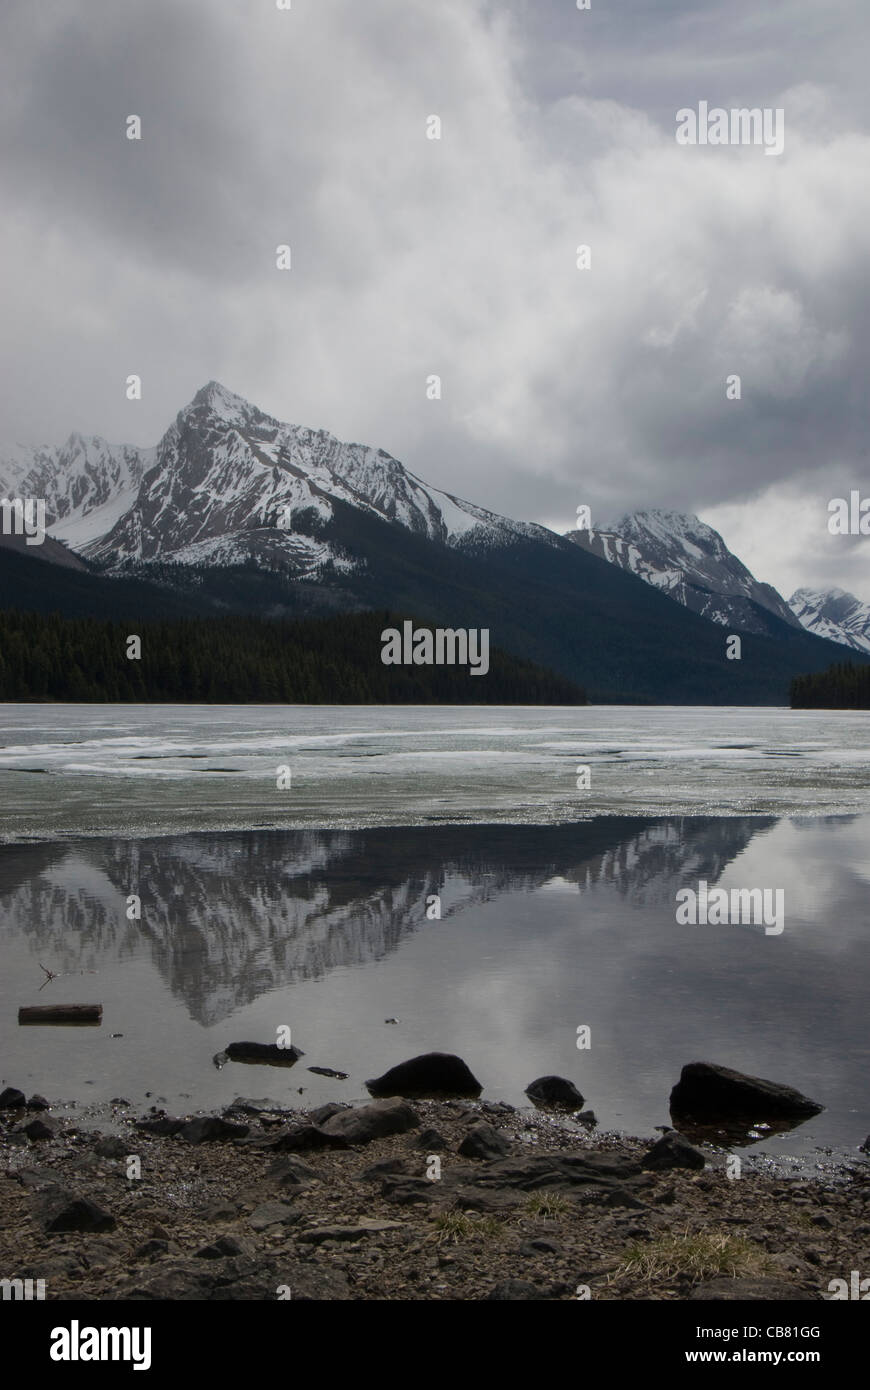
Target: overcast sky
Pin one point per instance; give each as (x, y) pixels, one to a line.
(413, 256)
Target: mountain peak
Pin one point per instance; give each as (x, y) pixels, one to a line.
(668, 525)
(221, 400)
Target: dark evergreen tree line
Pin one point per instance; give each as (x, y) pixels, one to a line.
(239, 660)
(842, 686)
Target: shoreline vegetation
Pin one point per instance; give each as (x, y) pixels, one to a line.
(406, 1198)
(241, 660)
(843, 686)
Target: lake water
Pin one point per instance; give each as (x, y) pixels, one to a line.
(307, 906)
(142, 769)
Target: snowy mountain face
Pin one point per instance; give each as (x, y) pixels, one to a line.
(228, 485)
(689, 562)
(86, 483)
(834, 614)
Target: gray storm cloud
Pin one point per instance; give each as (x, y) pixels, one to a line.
(457, 256)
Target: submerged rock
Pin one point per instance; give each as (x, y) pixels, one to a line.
(431, 1074)
(707, 1089)
(555, 1090)
(267, 1054)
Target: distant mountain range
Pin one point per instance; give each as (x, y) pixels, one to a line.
(234, 511)
(690, 562)
(835, 614)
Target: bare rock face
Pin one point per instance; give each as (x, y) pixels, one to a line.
(705, 1089)
(432, 1074)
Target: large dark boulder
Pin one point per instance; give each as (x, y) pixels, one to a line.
(705, 1089)
(12, 1099)
(432, 1074)
(673, 1150)
(364, 1123)
(555, 1090)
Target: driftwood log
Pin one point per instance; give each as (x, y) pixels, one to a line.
(61, 1013)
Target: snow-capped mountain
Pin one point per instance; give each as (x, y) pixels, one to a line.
(835, 614)
(228, 484)
(690, 562)
(235, 512)
(86, 484)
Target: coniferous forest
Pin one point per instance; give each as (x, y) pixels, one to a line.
(842, 686)
(239, 660)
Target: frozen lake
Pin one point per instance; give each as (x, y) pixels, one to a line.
(144, 770)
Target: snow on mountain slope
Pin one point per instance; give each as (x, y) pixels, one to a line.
(835, 614)
(691, 563)
(86, 484)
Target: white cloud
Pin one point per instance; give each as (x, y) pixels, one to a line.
(456, 257)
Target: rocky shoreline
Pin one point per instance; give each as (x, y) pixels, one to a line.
(407, 1199)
